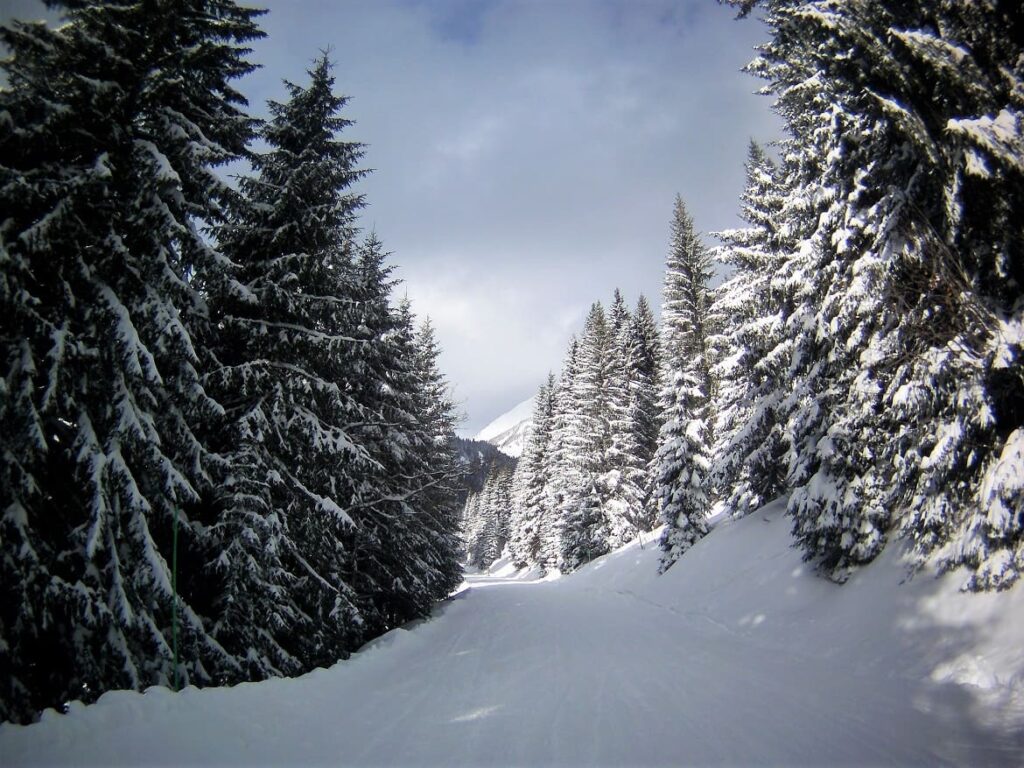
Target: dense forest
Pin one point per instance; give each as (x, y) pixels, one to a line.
(229, 453)
(864, 356)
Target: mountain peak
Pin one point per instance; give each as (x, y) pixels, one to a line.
(510, 431)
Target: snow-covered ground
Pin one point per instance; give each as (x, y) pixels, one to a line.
(737, 656)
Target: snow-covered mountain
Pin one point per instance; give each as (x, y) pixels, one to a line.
(510, 431)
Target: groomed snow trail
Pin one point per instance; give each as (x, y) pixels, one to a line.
(741, 662)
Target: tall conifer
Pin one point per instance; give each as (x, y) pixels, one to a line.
(904, 408)
(681, 483)
(283, 339)
(115, 123)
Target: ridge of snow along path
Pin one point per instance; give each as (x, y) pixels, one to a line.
(737, 656)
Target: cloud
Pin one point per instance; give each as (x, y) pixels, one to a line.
(527, 154)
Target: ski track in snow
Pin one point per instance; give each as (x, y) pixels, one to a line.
(711, 664)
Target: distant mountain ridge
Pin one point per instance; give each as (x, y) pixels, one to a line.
(510, 431)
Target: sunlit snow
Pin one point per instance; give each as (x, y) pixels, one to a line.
(739, 655)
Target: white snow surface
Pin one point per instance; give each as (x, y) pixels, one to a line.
(510, 431)
(738, 655)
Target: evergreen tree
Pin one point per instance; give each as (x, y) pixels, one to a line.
(586, 527)
(624, 496)
(405, 548)
(469, 521)
(630, 413)
(550, 522)
(682, 464)
(530, 508)
(439, 500)
(114, 125)
(749, 455)
(567, 441)
(904, 411)
(618, 315)
(487, 516)
(643, 415)
(685, 311)
(283, 343)
(681, 477)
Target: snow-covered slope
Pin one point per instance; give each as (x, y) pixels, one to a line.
(510, 431)
(737, 656)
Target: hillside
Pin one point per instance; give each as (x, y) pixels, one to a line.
(510, 431)
(476, 457)
(739, 655)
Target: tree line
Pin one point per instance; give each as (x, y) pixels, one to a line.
(864, 357)
(227, 454)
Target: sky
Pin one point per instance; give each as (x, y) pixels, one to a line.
(525, 155)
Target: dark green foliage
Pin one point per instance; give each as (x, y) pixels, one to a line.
(283, 340)
(256, 392)
(113, 125)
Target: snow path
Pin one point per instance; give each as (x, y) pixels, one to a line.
(611, 666)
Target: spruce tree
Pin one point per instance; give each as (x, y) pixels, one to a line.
(114, 125)
(567, 441)
(681, 483)
(750, 347)
(632, 413)
(685, 312)
(487, 515)
(550, 523)
(586, 526)
(283, 342)
(404, 539)
(618, 315)
(643, 418)
(683, 464)
(470, 520)
(531, 508)
(438, 501)
(904, 412)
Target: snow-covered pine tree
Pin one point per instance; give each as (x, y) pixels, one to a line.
(503, 501)
(680, 489)
(487, 516)
(283, 340)
(618, 314)
(469, 519)
(682, 463)
(627, 455)
(404, 555)
(438, 502)
(585, 524)
(113, 125)
(530, 508)
(750, 346)
(685, 311)
(390, 577)
(643, 416)
(521, 534)
(564, 469)
(487, 541)
(907, 121)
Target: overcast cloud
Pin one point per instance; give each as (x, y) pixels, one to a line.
(526, 155)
